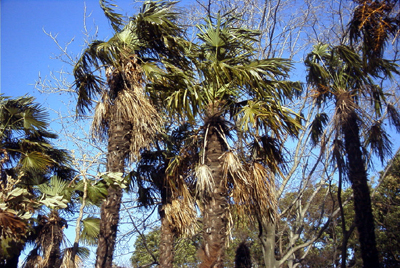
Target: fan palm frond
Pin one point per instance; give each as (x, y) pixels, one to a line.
(90, 231)
(318, 126)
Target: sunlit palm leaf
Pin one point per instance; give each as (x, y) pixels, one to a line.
(90, 231)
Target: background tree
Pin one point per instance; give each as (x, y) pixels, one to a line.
(337, 73)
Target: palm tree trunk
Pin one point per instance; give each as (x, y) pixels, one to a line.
(118, 146)
(362, 200)
(166, 243)
(215, 206)
(53, 240)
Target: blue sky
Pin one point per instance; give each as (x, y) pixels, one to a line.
(26, 50)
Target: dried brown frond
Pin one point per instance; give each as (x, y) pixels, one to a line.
(262, 192)
(345, 107)
(233, 169)
(205, 180)
(33, 260)
(133, 72)
(100, 120)
(180, 189)
(320, 91)
(11, 225)
(68, 263)
(182, 217)
(134, 107)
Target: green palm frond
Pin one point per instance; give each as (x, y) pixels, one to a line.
(21, 115)
(90, 231)
(36, 161)
(96, 191)
(110, 10)
(269, 115)
(55, 193)
(55, 186)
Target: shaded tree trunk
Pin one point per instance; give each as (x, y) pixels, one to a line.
(267, 238)
(118, 147)
(166, 243)
(242, 256)
(53, 240)
(362, 200)
(215, 206)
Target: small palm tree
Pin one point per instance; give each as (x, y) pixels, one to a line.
(157, 179)
(27, 160)
(143, 48)
(338, 74)
(234, 94)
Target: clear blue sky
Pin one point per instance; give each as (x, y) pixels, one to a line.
(26, 50)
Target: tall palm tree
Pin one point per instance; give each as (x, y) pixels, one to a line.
(235, 95)
(338, 74)
(147, 45)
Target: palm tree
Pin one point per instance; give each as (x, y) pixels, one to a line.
(27, 160)
(235, 95)
(338, 74)
(157, 180)
(145, 47)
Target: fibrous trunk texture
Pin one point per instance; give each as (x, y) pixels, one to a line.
(118, 146)
(215, 207)
(362, 200)
(166, 243)
(52, 240)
